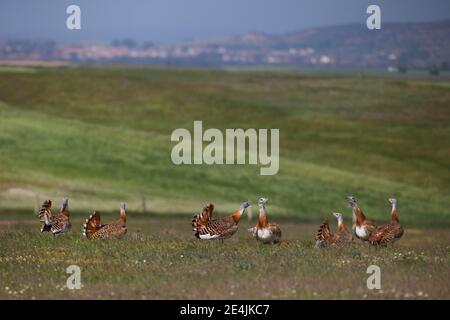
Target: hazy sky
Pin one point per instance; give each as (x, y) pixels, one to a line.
(168, 21)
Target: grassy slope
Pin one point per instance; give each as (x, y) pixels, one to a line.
(101, 135)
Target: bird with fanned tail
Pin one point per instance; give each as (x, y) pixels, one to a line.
(389, 232)
(264, 231)
(362, 228)
(56, 224)
(93, 229)
(325, 237)
(206, 228)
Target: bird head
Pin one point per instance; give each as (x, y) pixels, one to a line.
(393, 201)
(337, 215)
(262, 201)
(122, 206)
(352, 201)
(245, 205)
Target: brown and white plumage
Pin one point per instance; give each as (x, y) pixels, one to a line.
(206, 228)
(325, 237)
(93, 229)
(362, 228)
(264, 231)
(56, 224)
(390, 232)
(45, 215)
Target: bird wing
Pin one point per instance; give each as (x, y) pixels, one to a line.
(370, 226)
(343, 237)
(92, 224)
(275, 229)
(386, 234)
(46, 218)
(45, 215)
(228, 232)
(61, 223)
(276, 232)
(399, 232)
(253, 231)
(202, 219)
(218, 228)
(377, 234)
(112, 230)
(209, 211)
(324, 233)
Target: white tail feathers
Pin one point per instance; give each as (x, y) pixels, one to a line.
(91, 225)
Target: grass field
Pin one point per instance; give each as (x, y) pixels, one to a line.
(102, 134)
(160, 259)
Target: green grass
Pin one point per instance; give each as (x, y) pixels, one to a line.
(160, 259)
(16, 69)
(101, 135)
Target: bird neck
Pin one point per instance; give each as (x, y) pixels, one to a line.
(341, 226)
(394, 213)
(123, 216)
(359, 216)
(237, 215)
(262, 220)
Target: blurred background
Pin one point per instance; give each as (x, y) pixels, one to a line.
(324, 34)
(88, 113)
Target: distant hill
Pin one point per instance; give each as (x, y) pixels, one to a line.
(414, 44)
(397, 46)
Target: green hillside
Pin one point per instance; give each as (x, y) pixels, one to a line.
(101, 135)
